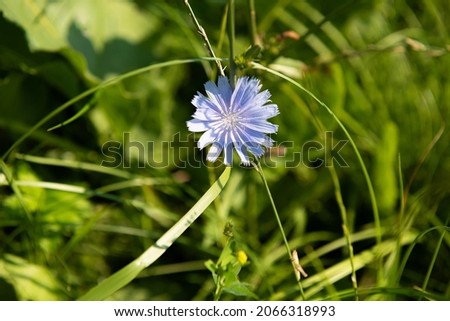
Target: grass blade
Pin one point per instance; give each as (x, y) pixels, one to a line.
(373, 199)
(91, 91)
(124, 276)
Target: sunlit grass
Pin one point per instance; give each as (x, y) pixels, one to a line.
(372, 73)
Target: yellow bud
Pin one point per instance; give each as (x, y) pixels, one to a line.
(242, 257)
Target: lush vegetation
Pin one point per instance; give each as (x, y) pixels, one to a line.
(97, 163)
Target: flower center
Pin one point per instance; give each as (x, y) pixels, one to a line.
(230, 121)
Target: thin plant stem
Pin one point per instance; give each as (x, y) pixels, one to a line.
(253, 29)
(12, 183)
(223, 31)
(403, 198)
(345, 229)
(408, 251)
(342, 209)
(259, 169)
(433, 259)
(400, 221)
(373, 199)
(231, 37)
(203, 34)
(424, 155)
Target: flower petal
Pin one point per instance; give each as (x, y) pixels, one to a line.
(228, 149)
(255, 149)
(255, 103)
(195, 125)
(207, 138)
(251, 136)
(246, 90)
(242, 153)
(228, 155)
(260, 113)
(234, 119)
(206, 106)
(219, 96)
(225, 89)
(238, 143)
(214, 152)
(262, 126)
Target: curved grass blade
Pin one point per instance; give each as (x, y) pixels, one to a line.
(12, 183)
(433, 259)
(80, 113)
(131, 179)
(411, 293)
(317, 282)
(92, 90)
(290, 254)
(124, 276)
(78, 165)
(373, 199)
(412, 245)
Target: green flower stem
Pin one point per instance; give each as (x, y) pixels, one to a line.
(202, 33)
(231, 37)
(253, 28)
(124, 276)
(280, 225)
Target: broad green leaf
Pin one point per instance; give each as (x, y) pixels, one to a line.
(19, 198)
(100, 21)
(42, 32)
(50, 25)
(101, 34)
(30, 281)
(240, 289)
(31, 196)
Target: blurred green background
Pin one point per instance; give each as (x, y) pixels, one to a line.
(66, 222)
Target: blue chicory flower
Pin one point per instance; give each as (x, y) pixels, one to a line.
(234, 118)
